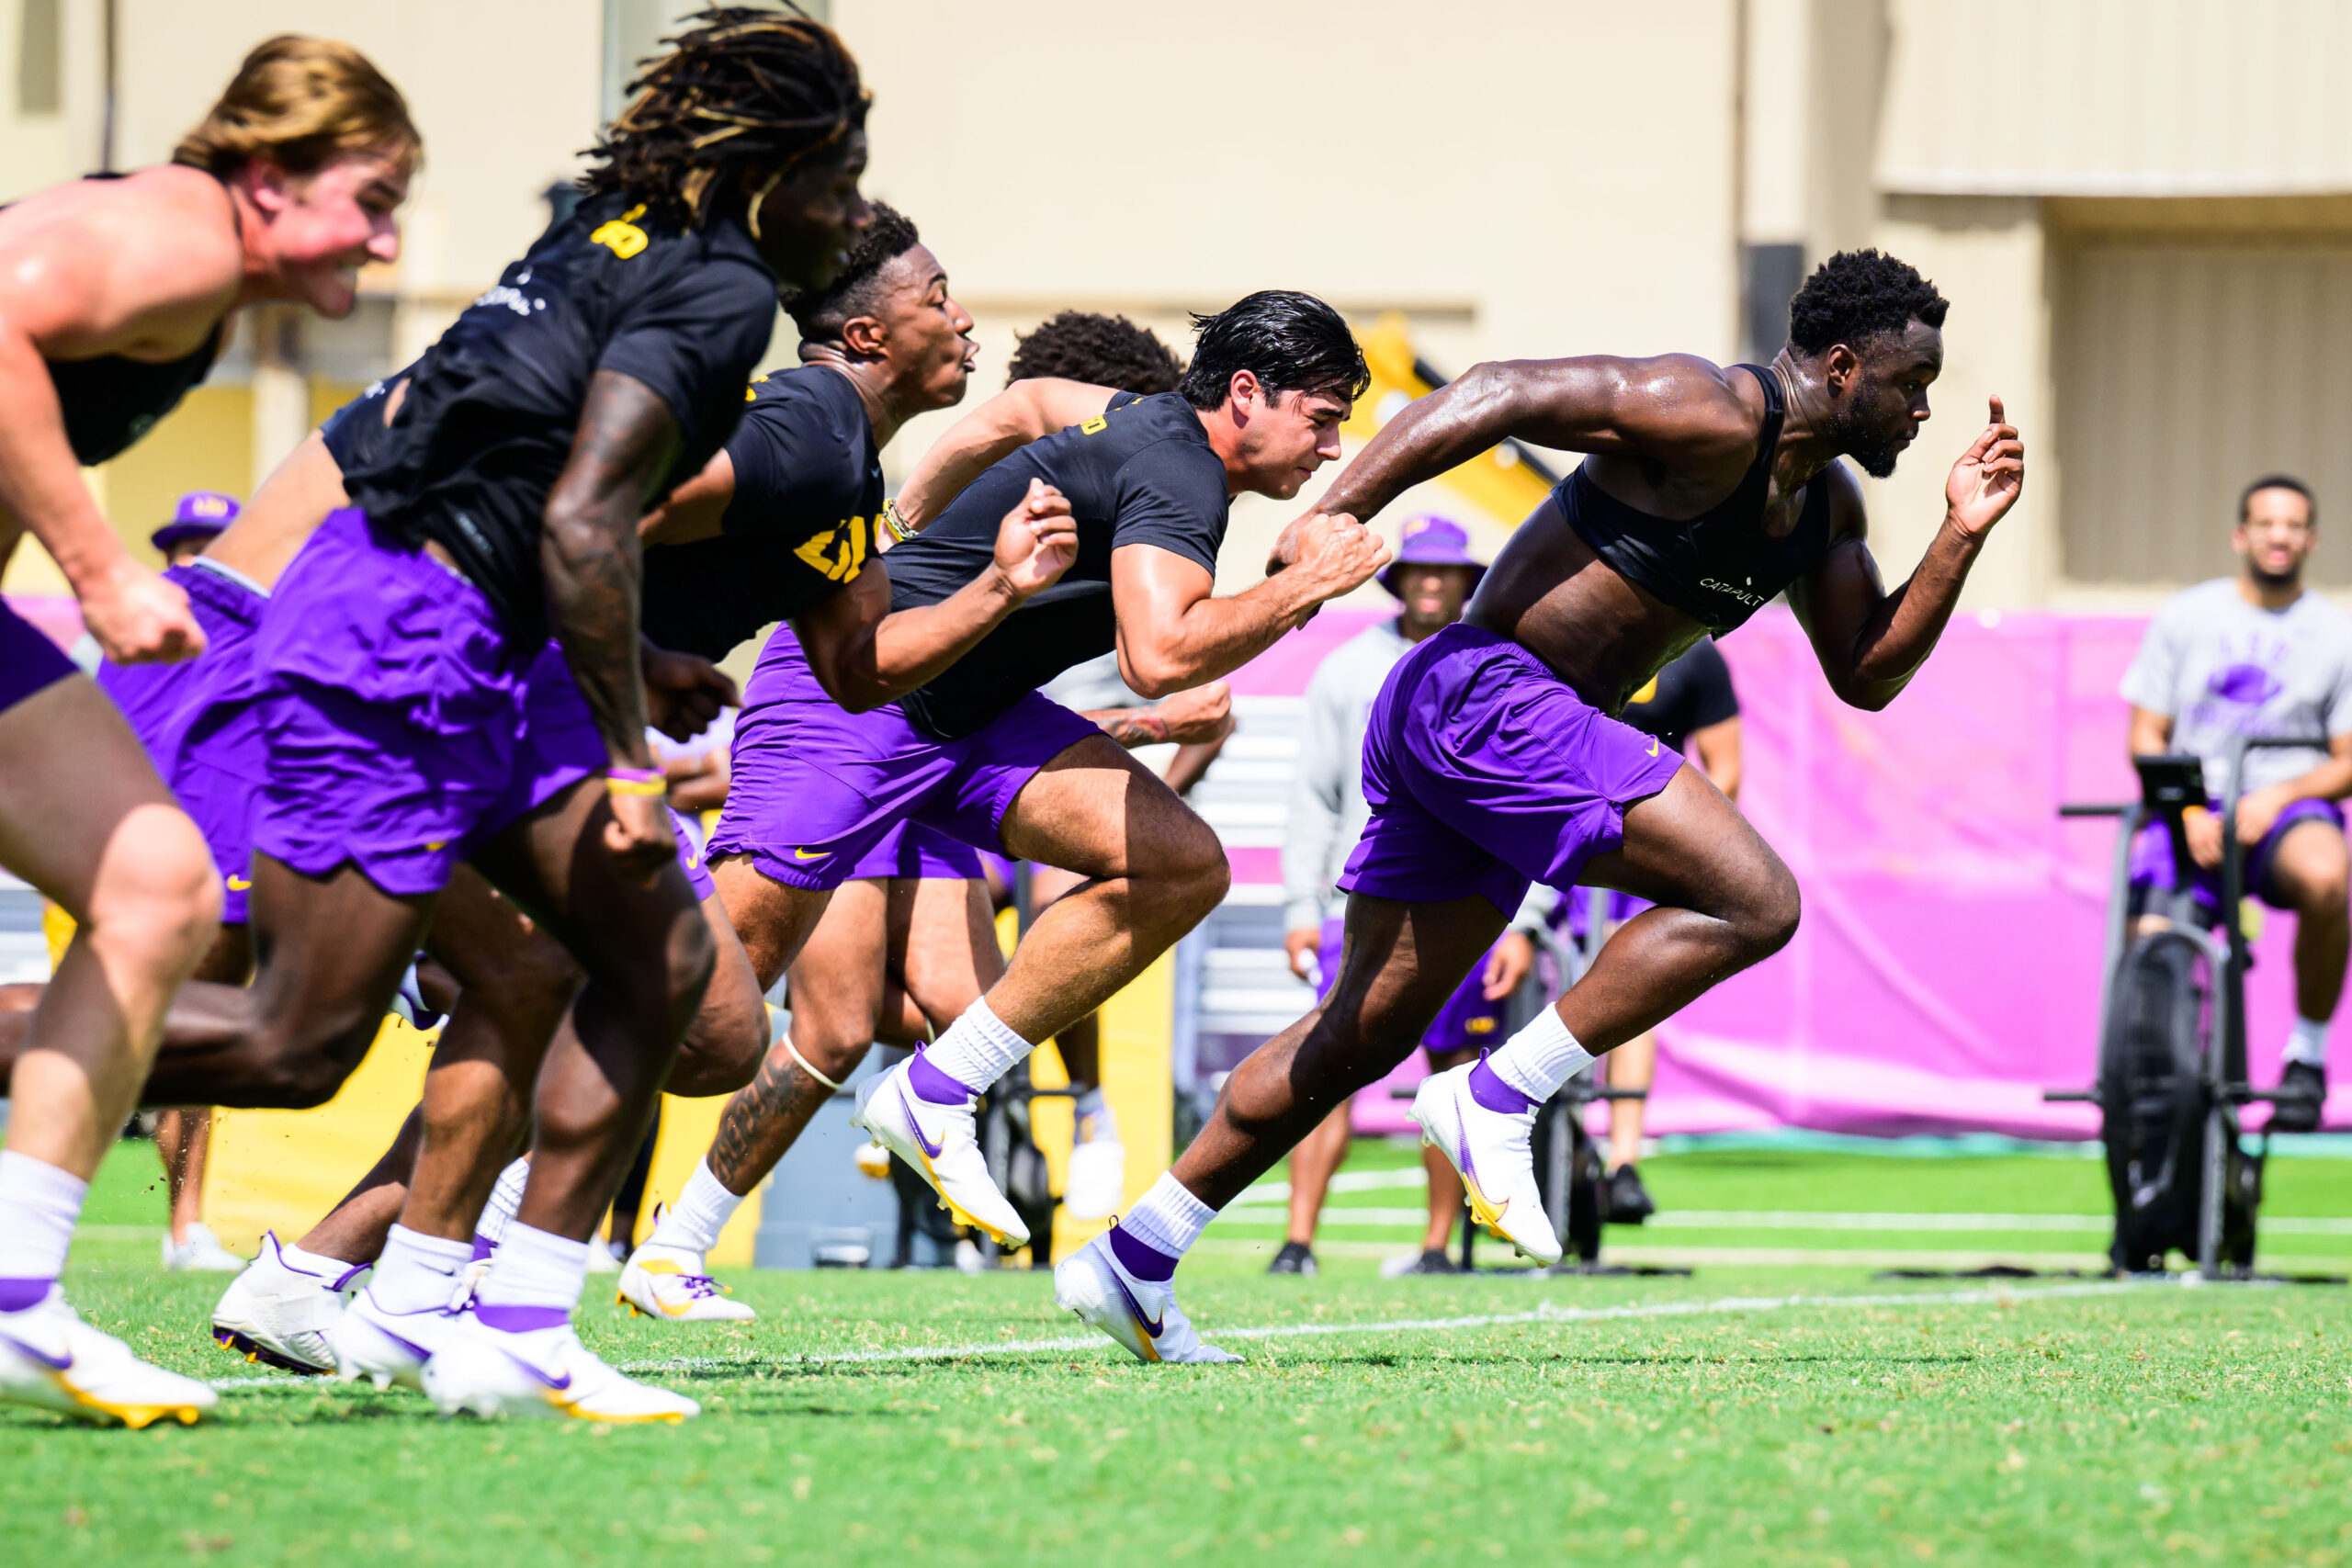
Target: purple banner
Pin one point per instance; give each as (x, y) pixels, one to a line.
(1947, 969)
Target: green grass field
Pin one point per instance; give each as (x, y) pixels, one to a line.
(1782, 1413)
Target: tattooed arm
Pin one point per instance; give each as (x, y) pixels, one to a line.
(627, 440)
(1202, 715)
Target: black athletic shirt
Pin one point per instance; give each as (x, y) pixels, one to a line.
(1688, 695)
(1718, 567)
(1142, 474)
(488, 421)
(807, 489)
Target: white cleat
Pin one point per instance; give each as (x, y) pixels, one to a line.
(1490, 1151)
(602, 1260)
(201, 1253)
(51, 1358)
(279, 1314)
(387, 1347)
(1140, 1314)
(940, 1144)
(545, 1371)
(1097, 1178)
(669, 1283)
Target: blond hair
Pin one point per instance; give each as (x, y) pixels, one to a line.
(301, 102)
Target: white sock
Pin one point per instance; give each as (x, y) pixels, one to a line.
(2308, 1041)
(1540, 1057)
(417, 1273)
(1091, 1103)
(977, 1048)
(504, 1199)
(38, 1203)
(702, 1210)
(319, 1263)
(535, 1268)
(1167, 1218)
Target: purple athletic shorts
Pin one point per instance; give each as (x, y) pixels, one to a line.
(1484, 772)
(815, 789)
(2152, 864)
(28, 661)
(1468, 1019)
(214, 768)
(401, 732)
(690, 858)
(912, 850)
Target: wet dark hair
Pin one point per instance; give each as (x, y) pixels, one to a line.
(1859, 295)
(745, 90)
(1292, 342)
(822, 313)
(2277, 482)
(1104, 351)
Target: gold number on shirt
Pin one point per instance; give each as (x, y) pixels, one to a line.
(1093, 426)
(621, 236)
(838, 552)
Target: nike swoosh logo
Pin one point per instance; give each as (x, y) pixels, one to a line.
(930, 1149)
(54, 1363)
(1653, 746)
(558, 1384)
(1150, 1325)
(240, 884)
(810, 855)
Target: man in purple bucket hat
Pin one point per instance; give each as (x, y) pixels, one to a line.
(202, 516)
(1432, 577)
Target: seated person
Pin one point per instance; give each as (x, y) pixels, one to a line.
(2257, 655)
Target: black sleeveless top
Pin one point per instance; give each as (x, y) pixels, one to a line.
(1719, 566)
(109, 401)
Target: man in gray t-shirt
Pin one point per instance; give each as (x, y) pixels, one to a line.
(2257, 655)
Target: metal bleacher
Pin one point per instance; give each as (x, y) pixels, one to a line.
(1234, 988)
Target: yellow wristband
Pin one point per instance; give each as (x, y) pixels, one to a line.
(618, 785)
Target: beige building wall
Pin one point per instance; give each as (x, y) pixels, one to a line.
(2141, 210)
(1518, 179)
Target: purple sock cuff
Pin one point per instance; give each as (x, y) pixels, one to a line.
(16, 1295)
(483, 1247)
(1490, 1091)
(1141, 1258)
(934, 1085)
(521, 1320)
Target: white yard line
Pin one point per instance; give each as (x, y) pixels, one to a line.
(1359, 1216)
(1544, 1314)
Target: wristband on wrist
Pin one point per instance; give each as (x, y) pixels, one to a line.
(637, 781)
(898, 527)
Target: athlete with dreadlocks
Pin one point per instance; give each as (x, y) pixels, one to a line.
(777, 527)
(417, 712)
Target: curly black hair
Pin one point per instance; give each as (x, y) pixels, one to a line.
(744, 89)
(1292, 342)
(1104, 351)
(1857, 295)
(822, 313)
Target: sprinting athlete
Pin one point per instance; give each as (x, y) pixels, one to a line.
(906, 944)
(774, 527)
(1491, 759)
(114, 298)
(417, 712)
(979, 753)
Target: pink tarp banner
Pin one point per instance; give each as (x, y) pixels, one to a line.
(1947, 970)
